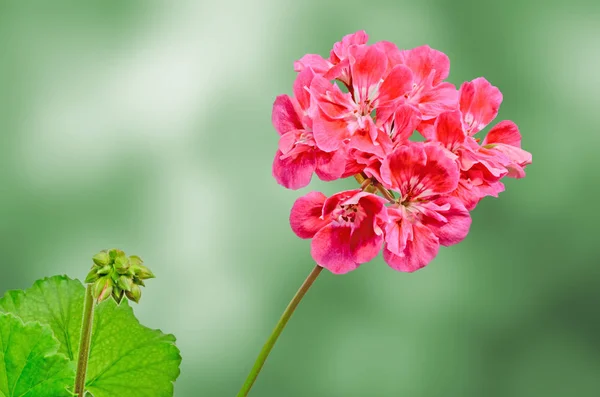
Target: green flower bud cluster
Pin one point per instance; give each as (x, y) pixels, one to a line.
(116, 274)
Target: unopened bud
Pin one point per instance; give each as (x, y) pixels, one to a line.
(102, 289)
(92, 276)
(135, 260)
(117, 275)
(124, 283)
(135, 294)
(143, 273)
(98, 287)
(106, 292)
(105, 270)
(115, 253)
(101, 259)
(121, 264)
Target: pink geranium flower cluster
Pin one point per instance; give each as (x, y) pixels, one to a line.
(352, 114)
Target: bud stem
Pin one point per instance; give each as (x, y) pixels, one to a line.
(264, 353)
(84, 343)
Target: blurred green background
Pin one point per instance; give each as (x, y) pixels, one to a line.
(145, 125)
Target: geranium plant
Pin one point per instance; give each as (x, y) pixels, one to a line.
(63, 338)
(353, 114)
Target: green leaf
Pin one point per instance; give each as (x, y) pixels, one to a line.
(29, 363)
(57, 302)
(129, 359)
(126, 358)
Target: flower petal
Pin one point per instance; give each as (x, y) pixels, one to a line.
(467, 193)
(399, 167)
(397, 230)
(453, 224)
(367, 237)
(473, 187)
(418, 252)
(519, 160)
(367, 66)
(505, 132)
(330, 166)
(420, 170)
(438, 99)
(312, 61)
(328, 98)
(330, 248)
(340, 71)
(426, 129)
(424, 61)
(330, 134)
(394, 55)
(305, 216)
(406, 120)
(287, 141)
(367, 140)
(284, 116)
(294, 172)
(479, 104)
(301, 88)
(397, 83)
(365, 244)
(449, 131)
(340, 49)
(504, 137)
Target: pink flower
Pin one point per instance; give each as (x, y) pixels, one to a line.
(506, 139)
(346, 228)
(429, 93)
(297, 156)
(479, 104)
(340, 57)
(354, 114)
(424, 216)
(346, 118)
(482, 167)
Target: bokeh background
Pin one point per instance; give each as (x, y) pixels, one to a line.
(145, 125)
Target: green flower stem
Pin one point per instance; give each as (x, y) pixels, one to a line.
(385, 193)
(264, 353)
(84, 343)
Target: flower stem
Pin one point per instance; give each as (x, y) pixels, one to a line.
(84, 343)
(264, 353)
(366, 184)
(385, 193)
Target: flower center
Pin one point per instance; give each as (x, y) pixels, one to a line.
(365, 108)
(305, 139)
(346, 214)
